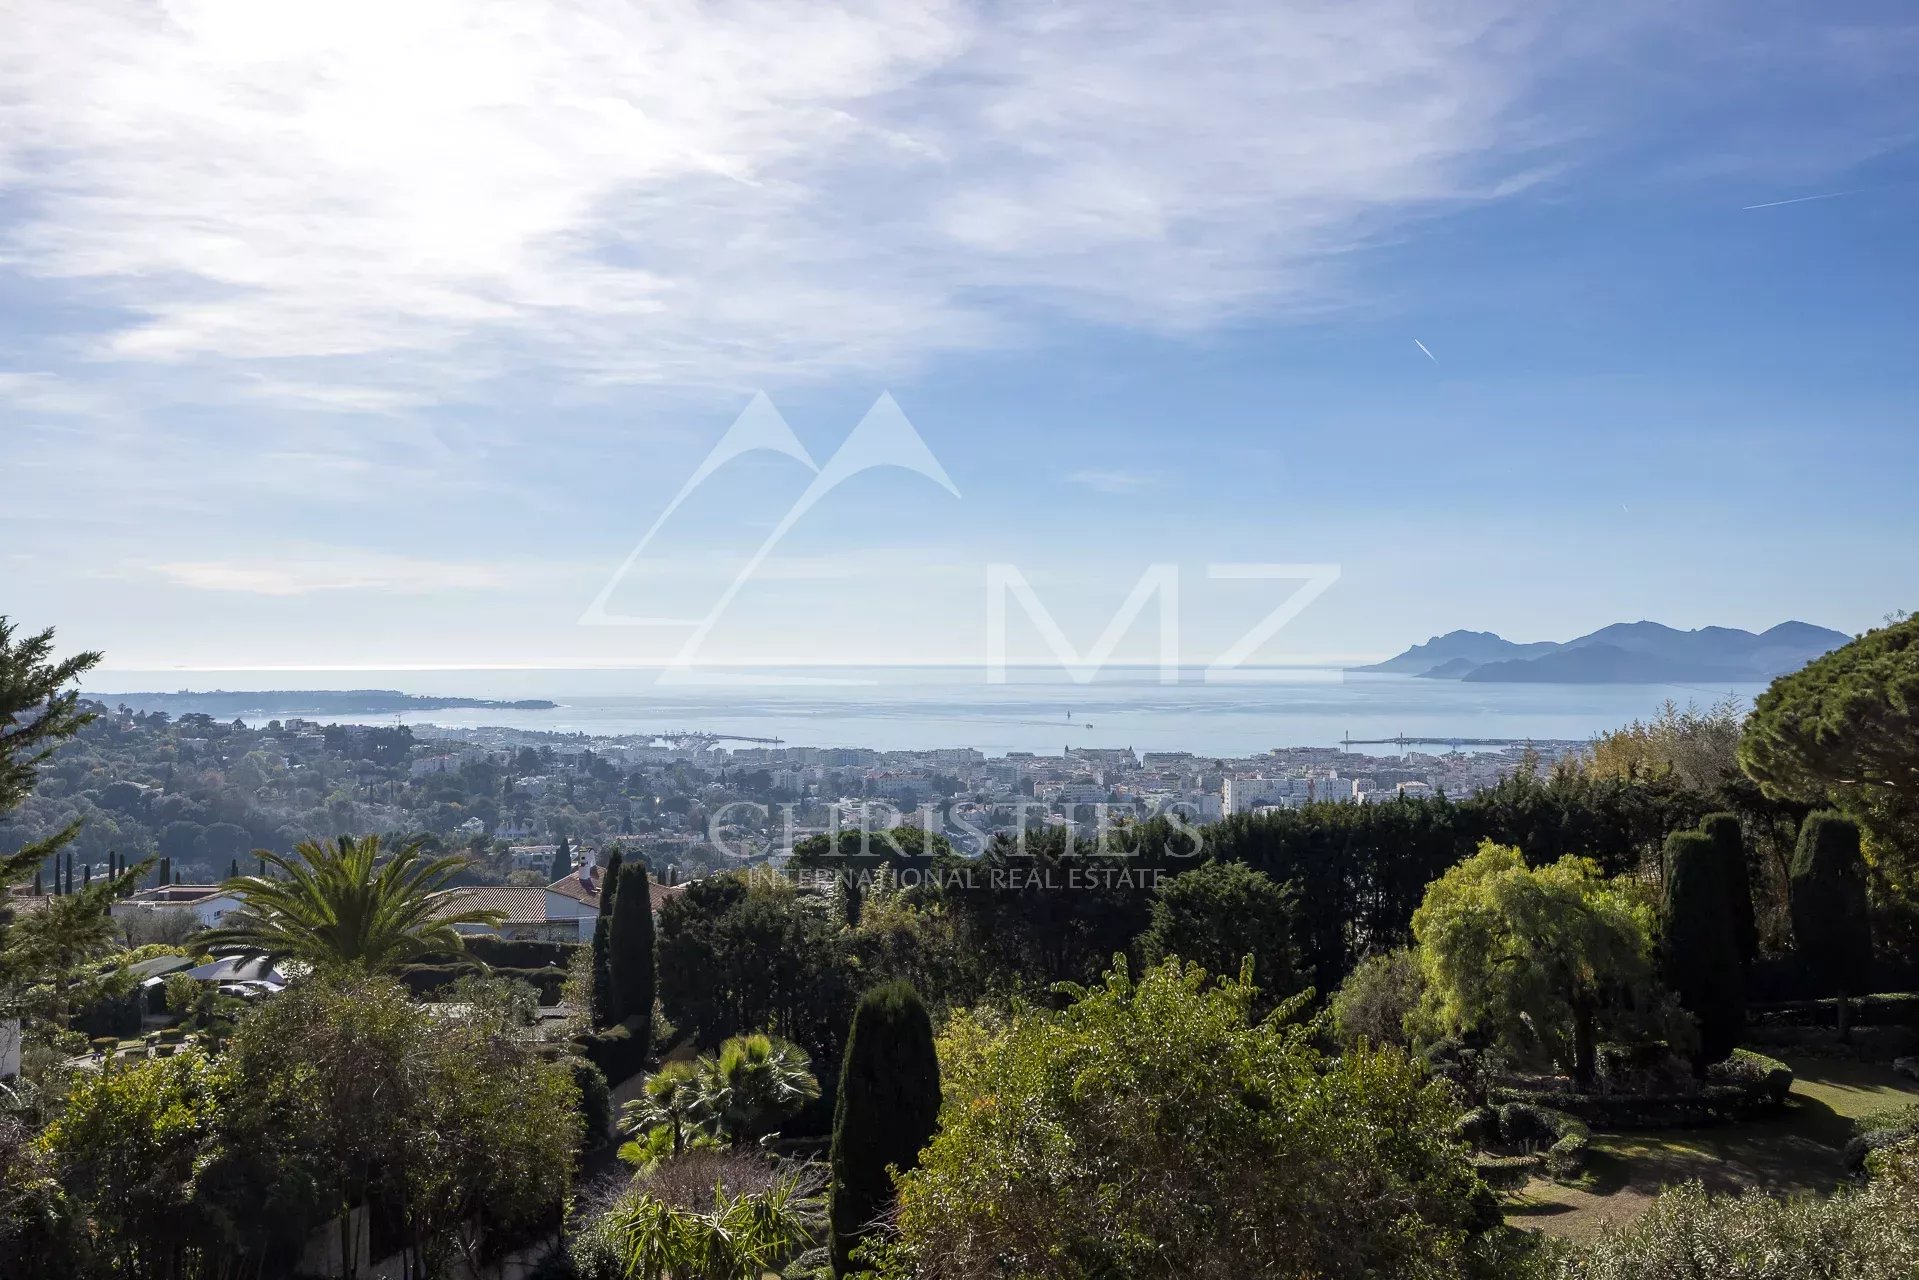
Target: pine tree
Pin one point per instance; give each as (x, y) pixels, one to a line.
(1701, 955)
(1831, 921)
(887, 1110)
(629, 952)
(602, 936)
(1729, 839)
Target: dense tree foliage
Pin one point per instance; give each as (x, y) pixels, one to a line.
(1541, 961)
(1700, 955)
(1219, 914)
(338, 1093)
(739, 953)
(885, 1113)
(1729, 841)
(629, 950)
(1380, 999)
(1151, 1129)
(1844, 729)
(1831, 922)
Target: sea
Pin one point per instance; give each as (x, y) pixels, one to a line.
(1037, 709)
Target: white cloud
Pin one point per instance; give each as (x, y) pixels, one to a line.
(295, 576)
(1109, 481)
(403, 198)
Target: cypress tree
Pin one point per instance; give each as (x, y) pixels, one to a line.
(1831, 921)
(886, 1112)
(629, 955)
(39, 886)
(233, 872)
(602, 937)
(86, 875)
(1701, 954)
(1729, 839)
(562, 862)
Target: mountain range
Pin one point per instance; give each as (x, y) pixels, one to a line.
(1623, 653)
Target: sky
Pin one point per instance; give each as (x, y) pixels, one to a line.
(377, 335)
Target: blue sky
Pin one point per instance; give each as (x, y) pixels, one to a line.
(372, 335)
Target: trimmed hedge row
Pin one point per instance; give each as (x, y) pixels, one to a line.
(1887, 1009)
(1569, 1135)
(1745, 1085)
(1520, 1123)
(521, 953)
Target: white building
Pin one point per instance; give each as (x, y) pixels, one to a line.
(208, 903)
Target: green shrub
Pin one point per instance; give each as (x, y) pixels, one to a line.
(1862, 1146)
(1566, 1158)
(620, 1051)
(1689, 1234)
(596, 1104)
(1505, 1173)
(1478, 1128)
(1378, 999)
(1767, 1080)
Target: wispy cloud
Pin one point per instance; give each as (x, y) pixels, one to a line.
(295, 576)
(1110, 481)
(403, 198)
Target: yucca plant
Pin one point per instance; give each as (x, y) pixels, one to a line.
(341, 905)
(743, 1236)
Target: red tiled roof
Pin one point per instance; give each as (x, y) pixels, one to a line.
(570, 887)
(521, 905)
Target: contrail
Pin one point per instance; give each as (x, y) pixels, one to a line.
(1774, 204)
(1429, 355)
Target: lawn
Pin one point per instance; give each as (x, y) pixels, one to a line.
(1802, 1150)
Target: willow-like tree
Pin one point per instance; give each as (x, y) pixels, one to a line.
(343, 904)
(1831, 920)
(1701, 949)
(887, 1111)
(1546, 960)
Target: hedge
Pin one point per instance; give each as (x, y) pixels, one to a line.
(1746, 1085)
(521, 953)
(1887, 1009)
(424, 979)
(616, 1051)
(1505, 1173)
(1530, 1122)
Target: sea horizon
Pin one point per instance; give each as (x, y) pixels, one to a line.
(907, 707)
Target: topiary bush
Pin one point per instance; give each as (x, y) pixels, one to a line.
(1767, 1080)
(1506, 1173)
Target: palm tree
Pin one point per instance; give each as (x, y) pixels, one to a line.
(670, 1100)
(341, 905)
(755, 1082)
